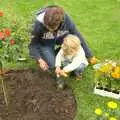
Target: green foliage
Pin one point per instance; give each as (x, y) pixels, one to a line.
(110, 111)
(107, 75)
(98, 22)
(13, 36)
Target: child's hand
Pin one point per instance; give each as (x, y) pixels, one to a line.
(63, 73)
(60, 72)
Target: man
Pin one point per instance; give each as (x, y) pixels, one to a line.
(52, 24)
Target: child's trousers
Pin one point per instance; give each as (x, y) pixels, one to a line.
(78, 70)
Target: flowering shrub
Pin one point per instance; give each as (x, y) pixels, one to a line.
(13, 38)
(110, 113)
(13, 35)
(108, 75)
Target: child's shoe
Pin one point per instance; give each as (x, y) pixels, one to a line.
(79, 77)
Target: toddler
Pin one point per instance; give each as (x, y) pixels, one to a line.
(71, 57)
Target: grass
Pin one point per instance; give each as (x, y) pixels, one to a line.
(98, 21)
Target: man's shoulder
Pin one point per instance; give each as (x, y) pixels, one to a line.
(67, 19)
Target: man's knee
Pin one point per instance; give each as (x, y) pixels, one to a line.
(51, 64)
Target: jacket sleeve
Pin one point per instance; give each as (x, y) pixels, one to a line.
(36, 36)
(73, 30)
(58, 59)
(78, 59)
(72, 66)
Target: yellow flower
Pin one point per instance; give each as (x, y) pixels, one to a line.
(112, 105)
(112, 118)
(98, 111)
(106, 68)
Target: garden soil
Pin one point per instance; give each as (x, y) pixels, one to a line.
(32, 95)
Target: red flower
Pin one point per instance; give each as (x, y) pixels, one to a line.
(1, 14)
(7, 32)
(12, 42)
(2, 37)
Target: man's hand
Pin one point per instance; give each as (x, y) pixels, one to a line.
(93, 60)
(43, 65)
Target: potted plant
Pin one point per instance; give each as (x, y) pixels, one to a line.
(107, 79)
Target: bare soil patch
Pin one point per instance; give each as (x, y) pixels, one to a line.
(32, 95)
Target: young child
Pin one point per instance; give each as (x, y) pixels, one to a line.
(71, 57)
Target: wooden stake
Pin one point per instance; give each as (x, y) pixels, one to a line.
(4, 91)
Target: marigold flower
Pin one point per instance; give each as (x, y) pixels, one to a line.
(1, 14)
(12, 42)
(98, 111)
(112, 105)
(115, 75)
(7, 32)
(112, 118)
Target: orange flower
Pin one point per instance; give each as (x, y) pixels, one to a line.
(1, 14)
(115, 75)
(12, 42)
(7, 32)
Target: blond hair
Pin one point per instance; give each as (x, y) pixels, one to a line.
(70, 45)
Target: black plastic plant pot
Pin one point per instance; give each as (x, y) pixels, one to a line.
(116, 91)
(107, 89)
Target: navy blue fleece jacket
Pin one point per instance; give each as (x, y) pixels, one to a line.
(42, 36)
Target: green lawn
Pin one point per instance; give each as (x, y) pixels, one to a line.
(99, 23)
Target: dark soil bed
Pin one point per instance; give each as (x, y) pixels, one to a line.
(32, 95)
